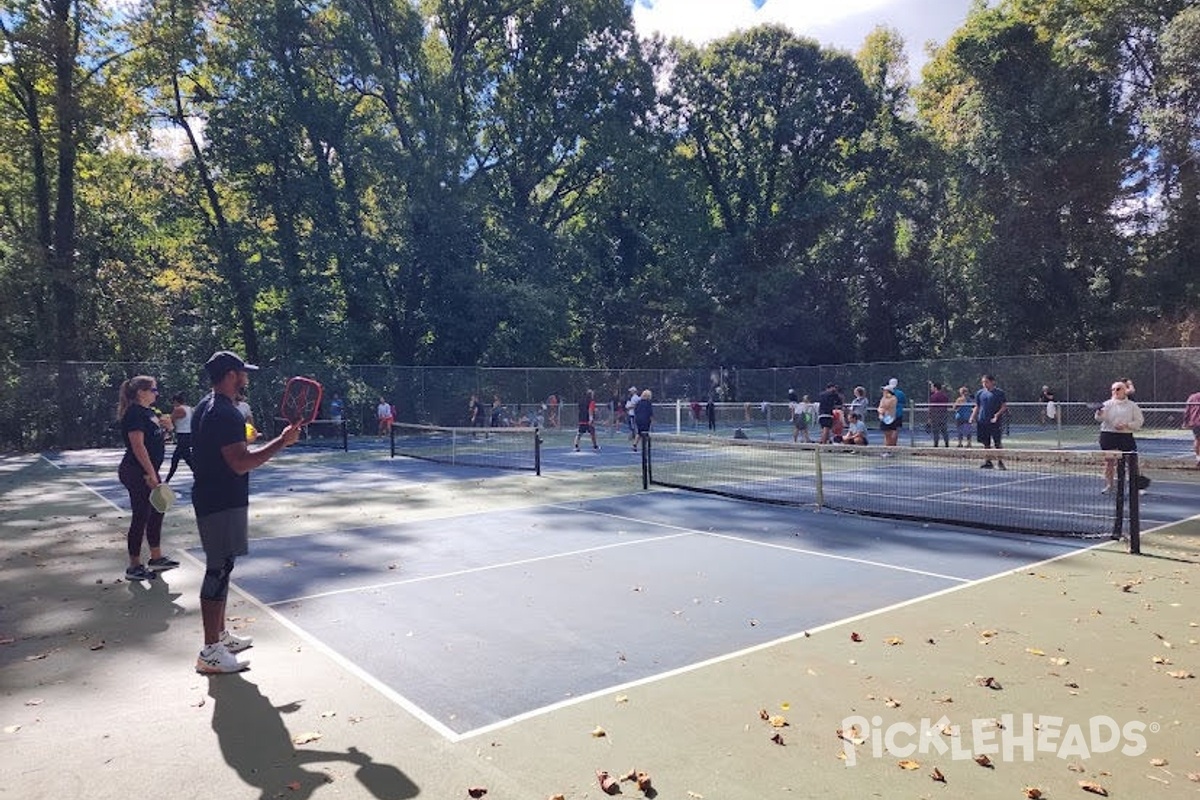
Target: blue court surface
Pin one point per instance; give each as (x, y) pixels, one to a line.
(473, 621)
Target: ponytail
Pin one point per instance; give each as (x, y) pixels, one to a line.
(129, 390)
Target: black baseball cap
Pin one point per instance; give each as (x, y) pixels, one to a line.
(223, 361)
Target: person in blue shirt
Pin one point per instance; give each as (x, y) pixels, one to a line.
(964, 404)
(988, 416)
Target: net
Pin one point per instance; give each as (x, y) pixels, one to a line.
(1055, 493)
(499, 448)
(324, 434)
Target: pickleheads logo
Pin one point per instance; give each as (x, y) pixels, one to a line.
(1009, 738)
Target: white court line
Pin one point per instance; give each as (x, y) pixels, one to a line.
(800, 550)
(84, 485)
(476, 570)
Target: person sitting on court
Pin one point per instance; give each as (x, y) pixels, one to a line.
(856, 433)
(587, 419)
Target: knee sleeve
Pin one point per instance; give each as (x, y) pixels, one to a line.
(216, 582)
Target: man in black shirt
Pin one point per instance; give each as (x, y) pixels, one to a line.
(827, 402)
(221, 499)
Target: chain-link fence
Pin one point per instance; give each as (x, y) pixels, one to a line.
(69, 405)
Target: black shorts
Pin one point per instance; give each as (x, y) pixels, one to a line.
(1114, 440)
(825, 420)
(895, 425)
(988, 433)
(586, 427)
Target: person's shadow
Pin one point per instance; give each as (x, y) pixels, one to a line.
(256, 743)
(154, 606)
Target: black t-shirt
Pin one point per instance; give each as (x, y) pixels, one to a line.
(216, 423)
(643, 412)
(140, 418)
(827, 401)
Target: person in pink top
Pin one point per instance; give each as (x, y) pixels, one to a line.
(1191, 419)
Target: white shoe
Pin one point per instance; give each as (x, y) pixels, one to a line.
(236, 644)
(215, 659)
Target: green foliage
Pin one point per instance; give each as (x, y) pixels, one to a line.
(472, 182)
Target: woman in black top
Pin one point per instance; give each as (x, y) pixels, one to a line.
(145, 448)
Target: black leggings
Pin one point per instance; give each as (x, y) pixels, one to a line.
(183, 450)
(146, 522)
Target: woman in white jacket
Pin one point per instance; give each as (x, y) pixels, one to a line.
(1119, 417)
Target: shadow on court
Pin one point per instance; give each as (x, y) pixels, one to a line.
(255, 742)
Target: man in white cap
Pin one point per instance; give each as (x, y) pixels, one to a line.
(221, 498)
(891, 430)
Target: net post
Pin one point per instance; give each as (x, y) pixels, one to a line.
(392, 437)
(345, 436)
(678, 416)
(1122, 482)
(537, 451)
(646, 476)
(819, 475)
(1135, 522)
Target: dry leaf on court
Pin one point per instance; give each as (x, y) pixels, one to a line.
(988, 634)
(937, 775)
(1060, 662)
(1033, 651)
(890, 703)
(1094, 788)
(1033, 793)
(1181, 674)
(893, 640)
(558, 797)
(598, 732)
(777, 738)
(763, 714)
(984, 761)
(477, 791)
(909, 764)
(855, 637)
(1194, 776)
(778, 721)
(989, 682)
(294, 786)
(643, 782)
(1158, 762)
(1076, 767)
(306, 738)
(12, 728)
(1161, 660)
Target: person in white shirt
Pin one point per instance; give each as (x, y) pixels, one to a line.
(1119, 417)
(181, 419)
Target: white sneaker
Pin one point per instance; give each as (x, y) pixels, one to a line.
(215, 659)
(236, 644)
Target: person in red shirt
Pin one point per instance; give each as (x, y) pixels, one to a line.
(587, 419)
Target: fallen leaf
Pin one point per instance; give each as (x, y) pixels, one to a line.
(855, 637)
(984, 761)
(477, 791)
(937, 775)
(909, 764)
(598, 732)
(1194, 776)
(763, 714)
(695, 795)
(778, 721)
(558, 797)
(1076, 767)
(608, 784)
(622, 698)
(1033, 793)
(34, 701)
(1181, 674)
(1158, 762)
(12, 729)
(777, 738)
(294, 786)
(1094, 788)
(988, 634)
(890, 703)
(306, 738)
(1161, 660)
(989, 682)
(1060, 662)
(643, 782)
(1033, 651)
(893, 640)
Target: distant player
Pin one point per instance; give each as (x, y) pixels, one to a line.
(587, 419)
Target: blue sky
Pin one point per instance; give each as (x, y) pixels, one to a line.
(842, 24)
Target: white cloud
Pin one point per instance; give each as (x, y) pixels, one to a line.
(701, 21)
(842, 24)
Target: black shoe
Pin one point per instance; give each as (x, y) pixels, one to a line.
(1000, 464)
(139, 573)
(162, 564)
(986, 465)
